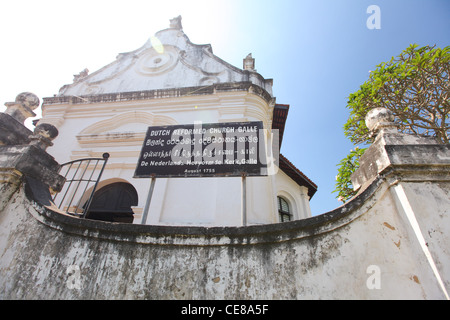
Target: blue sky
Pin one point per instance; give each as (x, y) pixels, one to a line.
(316, 51)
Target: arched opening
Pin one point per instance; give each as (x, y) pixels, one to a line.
(113, 203)
(284, 210)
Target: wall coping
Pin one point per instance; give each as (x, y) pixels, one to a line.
(402, 163)
(204, 236)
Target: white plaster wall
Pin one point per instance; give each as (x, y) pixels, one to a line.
(89, 130)
(331, 256)
(295, 194)
(166, 61)
(429, 202)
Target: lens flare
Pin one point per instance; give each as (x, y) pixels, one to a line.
(157, 45)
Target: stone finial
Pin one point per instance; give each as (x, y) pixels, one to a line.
(175, 23)
(380, 118)
(23, 107)
(80, 76)
(43, 135)
(249, 63)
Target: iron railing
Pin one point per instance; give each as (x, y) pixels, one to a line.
(81, 175)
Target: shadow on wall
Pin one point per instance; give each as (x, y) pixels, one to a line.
(398, 225)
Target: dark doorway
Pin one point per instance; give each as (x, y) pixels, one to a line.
(113, 203)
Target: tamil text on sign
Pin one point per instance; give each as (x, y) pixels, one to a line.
(199, 150)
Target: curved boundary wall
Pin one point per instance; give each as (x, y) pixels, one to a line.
(390, 242)
(367, 249)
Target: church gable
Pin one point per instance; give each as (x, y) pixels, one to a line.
(169, 81)
(166, 60)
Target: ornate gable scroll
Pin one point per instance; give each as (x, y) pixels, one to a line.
(166, 60)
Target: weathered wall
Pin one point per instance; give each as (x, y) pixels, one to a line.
(47, 255)
(389, 242)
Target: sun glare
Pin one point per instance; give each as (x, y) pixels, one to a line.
(157, 45)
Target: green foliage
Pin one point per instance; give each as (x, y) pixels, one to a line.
(415, 87)
(347, 166)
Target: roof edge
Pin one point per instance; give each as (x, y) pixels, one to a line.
(299, 177)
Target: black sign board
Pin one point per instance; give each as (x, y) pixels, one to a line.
(202, 150)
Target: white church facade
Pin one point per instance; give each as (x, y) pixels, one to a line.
(171, 81)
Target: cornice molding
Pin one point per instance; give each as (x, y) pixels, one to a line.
(160, 93)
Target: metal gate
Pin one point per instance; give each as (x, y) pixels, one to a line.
(82, 177)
